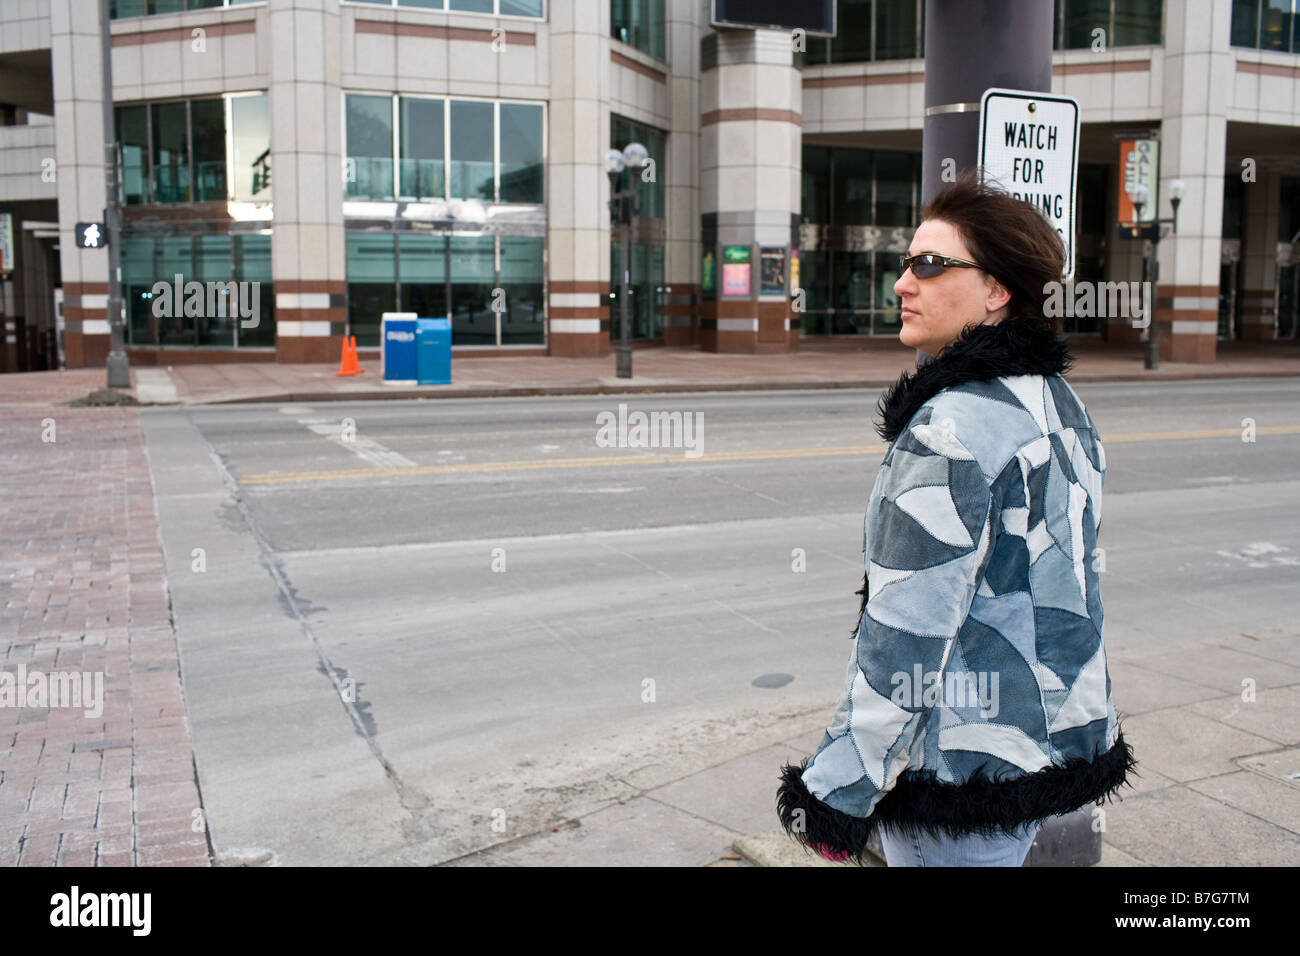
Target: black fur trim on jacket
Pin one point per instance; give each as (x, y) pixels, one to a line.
(918, 800)
(981, 353)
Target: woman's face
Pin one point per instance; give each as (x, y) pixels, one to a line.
(936, 310)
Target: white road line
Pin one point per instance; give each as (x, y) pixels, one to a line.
(368, 451)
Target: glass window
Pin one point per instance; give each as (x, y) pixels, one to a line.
(1234, 196)
(521, 153)
(221, 309)
(423, 271)
(250, 121)
(521, 8)
(138, 277)
(1275, 29)
(816, 173)
(471, 150)
(133, 137)
(639, 23)
(422, 148)
(895, 28)
(852, 40)
(852, 292)
(470, 6)
(372, 283)
(1245, 23)
(426, 4)
(524, 318)
(1081, 18)
(171, 155)
(814, 279)
(851, 185)
(1137, 22)
(175, 256)
(126, 8)
(370, 146)
(139, 8)
(208, 123)
(886, 317)
(473, 275)
(895, 173)
(623, 132)
(817, 51)
(253, 264)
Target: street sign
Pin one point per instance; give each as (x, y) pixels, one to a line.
(91, 235)
(1029, 142)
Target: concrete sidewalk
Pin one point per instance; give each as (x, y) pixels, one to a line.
(1216, 784)
(656, 369)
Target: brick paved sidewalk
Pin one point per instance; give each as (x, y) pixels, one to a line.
(83, 591)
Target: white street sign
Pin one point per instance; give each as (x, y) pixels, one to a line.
(1029, 143)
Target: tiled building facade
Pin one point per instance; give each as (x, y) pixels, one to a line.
(446, 157)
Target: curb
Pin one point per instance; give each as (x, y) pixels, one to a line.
(529, 391)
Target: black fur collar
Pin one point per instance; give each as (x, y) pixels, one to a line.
(982, 353)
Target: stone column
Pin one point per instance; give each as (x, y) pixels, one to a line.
(751, 96)
(1193, 135)
(577, 189)
(307, 241)
(75, 62)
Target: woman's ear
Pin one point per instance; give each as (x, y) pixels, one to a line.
(998, 295)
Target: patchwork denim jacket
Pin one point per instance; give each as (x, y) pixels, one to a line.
(976, 697)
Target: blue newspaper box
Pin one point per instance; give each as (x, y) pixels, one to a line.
(433, 351)
(397, 347)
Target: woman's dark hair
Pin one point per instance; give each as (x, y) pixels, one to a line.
(1012, 240)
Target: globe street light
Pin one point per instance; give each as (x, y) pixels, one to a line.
(623, 208)
(1140, 195)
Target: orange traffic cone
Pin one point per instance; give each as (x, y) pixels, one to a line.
(356, 362)
(348, 360)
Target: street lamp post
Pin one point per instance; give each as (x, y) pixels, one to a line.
(1139, 195)
(624, 204)
(119, 368)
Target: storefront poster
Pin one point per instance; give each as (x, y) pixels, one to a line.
(735, 270)
(772, 270)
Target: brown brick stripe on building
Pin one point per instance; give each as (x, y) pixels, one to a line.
(596, 306)
(1177, 345)
(291, 347)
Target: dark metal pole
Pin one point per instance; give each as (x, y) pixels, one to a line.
(119, 368)
(1151, 355)
(972, 46)
(623, 356)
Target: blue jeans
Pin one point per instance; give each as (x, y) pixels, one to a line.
(918, 848)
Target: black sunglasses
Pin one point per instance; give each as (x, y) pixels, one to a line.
(927, 265)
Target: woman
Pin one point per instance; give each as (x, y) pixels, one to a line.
(977, 700)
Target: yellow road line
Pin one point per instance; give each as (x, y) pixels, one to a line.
(766, 454)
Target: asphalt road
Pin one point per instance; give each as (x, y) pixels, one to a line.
(412, 630)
